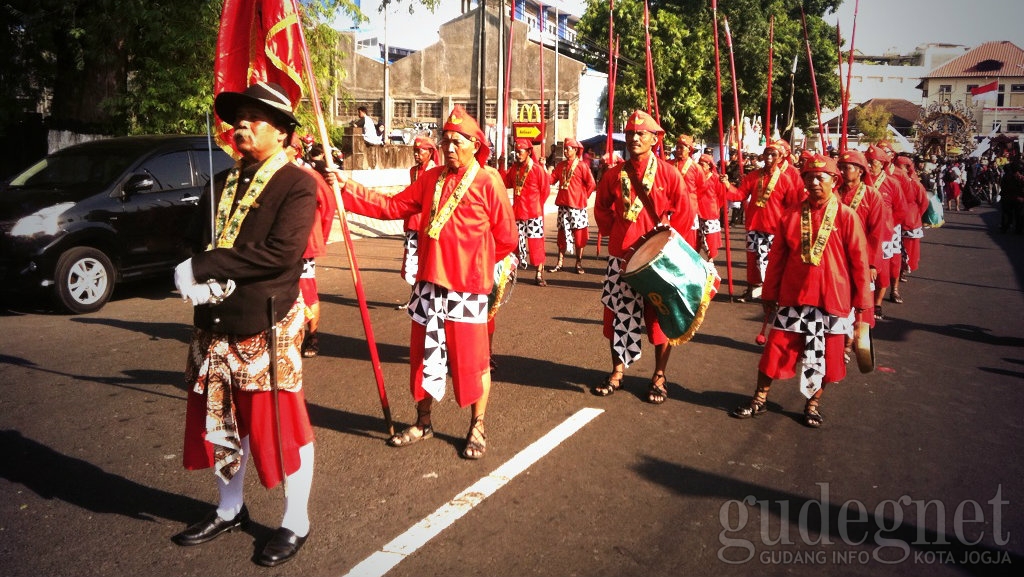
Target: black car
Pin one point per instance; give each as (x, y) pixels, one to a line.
(98, 213)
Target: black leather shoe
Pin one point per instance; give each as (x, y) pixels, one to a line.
(210, 528)
(281, 547)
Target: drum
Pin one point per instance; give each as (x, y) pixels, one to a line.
(864, 347)
(674, 279)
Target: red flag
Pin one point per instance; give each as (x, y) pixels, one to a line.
(259, 40)
(990, 87)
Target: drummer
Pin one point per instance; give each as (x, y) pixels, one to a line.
(632, 198)
(814, 285)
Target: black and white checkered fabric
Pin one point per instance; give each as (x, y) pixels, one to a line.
(892, 247)
(308, 268)
(431, 305)
(914, 233)
(411, 264)
(711, 226)
(570, 219)
(760, 243)
(627, 308)
(530, 228)
(813, 323)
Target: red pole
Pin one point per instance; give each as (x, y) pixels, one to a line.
(771, 58)
(721, 144)
(356, 280)
(841, 124)
(814, 83)
(849, 74)
(543, 117)
(508, 85)
(735, 97)
(609, 147)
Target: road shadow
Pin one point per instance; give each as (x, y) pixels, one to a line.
(53, 475)
(887, 537)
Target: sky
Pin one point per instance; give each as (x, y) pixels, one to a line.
(902, 25)
(882, 25)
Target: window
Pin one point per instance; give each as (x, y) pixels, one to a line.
(945, 90)
(170, 171)
(429, 109)
(403, 109)
(491, 110)
(971, 87)
(1012, 126)
(563, 111)
(470, 108)
(1017, 88)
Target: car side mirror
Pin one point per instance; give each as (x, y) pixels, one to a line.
(138, 183)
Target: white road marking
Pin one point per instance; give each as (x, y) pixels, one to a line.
(407, 543)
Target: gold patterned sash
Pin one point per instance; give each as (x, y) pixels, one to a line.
(228, 223)
(811, 248)
(524, 171)
(766, 190)
(858, 196)
(633, 204)
(438, 218)
(567, 176)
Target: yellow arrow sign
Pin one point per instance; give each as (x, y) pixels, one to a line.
(528, 131)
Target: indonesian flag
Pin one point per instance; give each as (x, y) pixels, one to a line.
(985, 92)
(259, 40)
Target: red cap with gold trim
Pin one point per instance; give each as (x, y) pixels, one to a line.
(640, 120)
(460, 121)
(820, 163)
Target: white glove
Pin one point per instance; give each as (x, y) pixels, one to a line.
(184, 280)
(200, 294)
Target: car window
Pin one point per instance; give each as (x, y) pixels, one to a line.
(221, 162)
(170, 171)
(75, 168)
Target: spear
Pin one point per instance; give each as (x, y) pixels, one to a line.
(508, 85)
(814, 83)
(721, 143)
(841, 124)
(349, 248)
(771, 58)
(735, 97)
(652, 86)
(612, 49)
(849, 76)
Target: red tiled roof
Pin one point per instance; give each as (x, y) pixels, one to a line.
(991, 59)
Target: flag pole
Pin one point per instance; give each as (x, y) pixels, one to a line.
(841, 121)
(771, 58)
(349, 248)
(721, 144)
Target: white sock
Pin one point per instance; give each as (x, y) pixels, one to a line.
(231, 493)
(296, 502)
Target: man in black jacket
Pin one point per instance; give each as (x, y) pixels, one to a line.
(263, 218)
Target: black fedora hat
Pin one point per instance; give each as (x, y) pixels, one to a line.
(266, 95)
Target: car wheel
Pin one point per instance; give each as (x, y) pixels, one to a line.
(85, 279)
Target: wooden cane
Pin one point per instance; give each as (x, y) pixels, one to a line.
(274, 400)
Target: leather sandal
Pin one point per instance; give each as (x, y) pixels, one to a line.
(408, 436)
(476, 440)
(657, 393)
(754, 409)
(556, 268)
(579, 268)
(611, 384)
(812, 418)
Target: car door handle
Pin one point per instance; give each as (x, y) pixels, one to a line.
(192, 199)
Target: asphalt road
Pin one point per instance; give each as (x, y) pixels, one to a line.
(917, 469)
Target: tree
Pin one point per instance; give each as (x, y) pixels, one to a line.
(683, 54)
(873, 122)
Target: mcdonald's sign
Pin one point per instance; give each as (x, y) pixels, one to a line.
(529, 122)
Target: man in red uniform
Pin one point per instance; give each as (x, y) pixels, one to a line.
(687, 167)
(427, 157)
(326, 207)
(575, 185)
(238, 410)
(467, 227)
(632, 198)
(710, 200)
(867, 202)
(767, 192)
(892, 195)
(916, 198)
(529, 183)
(817, 274)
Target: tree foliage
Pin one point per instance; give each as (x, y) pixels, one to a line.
(873, 122)
(128, 66)
(682, 46)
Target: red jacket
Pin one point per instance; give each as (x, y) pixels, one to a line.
(480, 232)
(787, 192)
(529, 201)
(574, 189)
